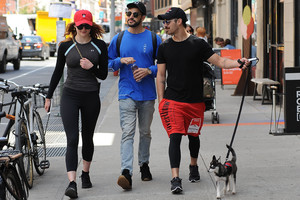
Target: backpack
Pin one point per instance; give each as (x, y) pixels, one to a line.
(154, 43)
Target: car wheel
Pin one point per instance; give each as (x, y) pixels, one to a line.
(17, 62)
(3, 64)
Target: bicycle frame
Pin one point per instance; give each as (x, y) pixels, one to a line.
(25, 118)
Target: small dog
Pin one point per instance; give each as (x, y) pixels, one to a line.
(224, 172)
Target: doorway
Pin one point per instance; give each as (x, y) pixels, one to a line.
(274, 29)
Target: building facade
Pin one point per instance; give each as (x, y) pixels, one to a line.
(275, 39)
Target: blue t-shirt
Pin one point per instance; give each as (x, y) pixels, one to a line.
(229, 46)
(140, 47)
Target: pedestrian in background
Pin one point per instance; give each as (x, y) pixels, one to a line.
(189, 29)
(86, 58)
(228, 44)
(137, 93)
(201, 33)
(220, 42)
(180, 89)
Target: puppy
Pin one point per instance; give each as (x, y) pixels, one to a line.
(224, 172)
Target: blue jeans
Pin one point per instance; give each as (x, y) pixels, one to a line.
(129, 111)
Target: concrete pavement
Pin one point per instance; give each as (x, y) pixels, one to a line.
(268, 166)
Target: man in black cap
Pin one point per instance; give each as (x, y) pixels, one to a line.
(181, 103)
(134, 57)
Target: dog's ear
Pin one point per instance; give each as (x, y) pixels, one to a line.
(219, 158)
(214, 157)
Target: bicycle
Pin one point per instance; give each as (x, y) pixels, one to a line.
(29, 131)
(12, 186)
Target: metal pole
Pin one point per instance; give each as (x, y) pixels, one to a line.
(61, 82)
(18, 6)
(123, 15)
(274, 108)
(112, 19)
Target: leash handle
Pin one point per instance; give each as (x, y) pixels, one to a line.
(249, 59)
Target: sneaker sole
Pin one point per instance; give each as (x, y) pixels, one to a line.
(194, 181)
(86, 186)
(146, 179)
(124, 183)
(71, 193)
(177, 190)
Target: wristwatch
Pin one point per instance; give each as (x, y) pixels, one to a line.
(149, 71)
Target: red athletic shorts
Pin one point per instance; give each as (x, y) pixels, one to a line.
(178, 117)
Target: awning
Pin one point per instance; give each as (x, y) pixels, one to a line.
(186, 4)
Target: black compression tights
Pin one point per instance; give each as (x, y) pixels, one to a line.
(88, 104)
(174, 148)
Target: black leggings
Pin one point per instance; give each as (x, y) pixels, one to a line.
(174, 148)
(88, 103)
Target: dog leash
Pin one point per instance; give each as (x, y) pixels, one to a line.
(242, 102)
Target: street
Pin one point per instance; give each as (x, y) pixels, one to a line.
(31, 71)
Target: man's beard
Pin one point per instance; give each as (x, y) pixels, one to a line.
(134, 25)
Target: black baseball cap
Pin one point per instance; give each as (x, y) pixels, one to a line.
(139, 5)
(173, 13)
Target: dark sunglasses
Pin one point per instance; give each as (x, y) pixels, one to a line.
(135, 14)
(86, 26)
(167, 22)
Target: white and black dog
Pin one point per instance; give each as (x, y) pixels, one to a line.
(224, 172)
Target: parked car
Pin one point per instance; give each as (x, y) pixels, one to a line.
(106, 36)
(35, 46)
(10, 47)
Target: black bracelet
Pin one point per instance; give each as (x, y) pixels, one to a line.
(241, 63)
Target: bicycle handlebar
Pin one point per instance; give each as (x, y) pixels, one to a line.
(37, 88)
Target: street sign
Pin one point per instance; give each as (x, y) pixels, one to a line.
(292, 100)
(101, 14)
(231, 76)
(60, 10)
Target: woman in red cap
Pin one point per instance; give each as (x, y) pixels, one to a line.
(86, 59)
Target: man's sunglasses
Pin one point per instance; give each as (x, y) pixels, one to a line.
(86, 26)
(135, 14)
(167, 22)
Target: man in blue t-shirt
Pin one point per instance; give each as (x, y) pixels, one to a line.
(137, 92)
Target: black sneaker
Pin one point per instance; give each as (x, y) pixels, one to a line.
(194, 174)
(85, 179)
(176, 187)
(145, 172)
(125, 180)
(71, 190)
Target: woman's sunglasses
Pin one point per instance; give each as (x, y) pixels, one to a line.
(86, 26)
(135, 14)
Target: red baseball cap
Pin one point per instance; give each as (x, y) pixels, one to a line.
(83, 17)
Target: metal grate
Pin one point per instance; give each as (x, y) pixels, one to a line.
(56, 151)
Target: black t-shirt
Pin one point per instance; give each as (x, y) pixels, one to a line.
(184, 68)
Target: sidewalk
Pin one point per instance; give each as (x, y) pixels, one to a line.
(267, 165)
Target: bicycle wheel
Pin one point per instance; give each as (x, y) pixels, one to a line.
(12, 183)
(23, 144)
(9, 134)
(39, 143)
